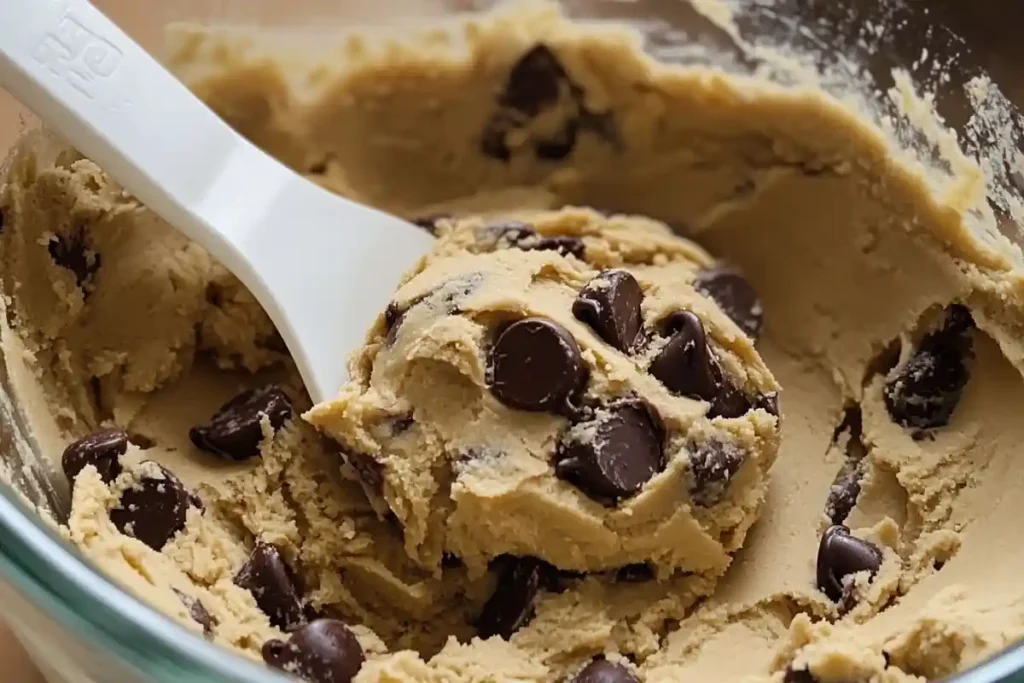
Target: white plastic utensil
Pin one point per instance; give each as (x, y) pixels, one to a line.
(322, 266)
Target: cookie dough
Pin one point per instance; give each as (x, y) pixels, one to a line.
(393, 538)
(555, 386)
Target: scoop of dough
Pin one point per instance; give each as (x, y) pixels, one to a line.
(564, 386)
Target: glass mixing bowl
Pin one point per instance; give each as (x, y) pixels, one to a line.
(78, 626)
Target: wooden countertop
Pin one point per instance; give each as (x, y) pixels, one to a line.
(13, 661)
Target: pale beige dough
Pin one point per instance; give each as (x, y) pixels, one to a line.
(847, 244)
(474, 478)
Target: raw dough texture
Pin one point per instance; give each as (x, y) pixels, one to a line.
(431, 509)
(438, 424)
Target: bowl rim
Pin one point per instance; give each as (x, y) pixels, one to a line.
(58, 580)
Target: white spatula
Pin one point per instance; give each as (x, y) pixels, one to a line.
(322, 266)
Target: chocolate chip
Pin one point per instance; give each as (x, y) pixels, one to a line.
(565, 245)
(71, 251)
(102, 450)
(842, 496)
(493, 140)
(924, 393)
(519, 235)
(401, 424)
(504, 234)
(535, 82)
(369, 470)
(511, 605)
(798, 676)
(600, 670)
(235, 431)
(393, 316)
(153, 510)
(446, 297)
(450, 561)
(685, 364)
(273, 585)
(768, 402)
(841, 555)
(612, 455)
(429, 223)
(197, 611)
(560, 145)
(323, 651)
(535, 364)
(637, 572)
(712, 466)
(610, 303)
(728, 288)
(731, 401)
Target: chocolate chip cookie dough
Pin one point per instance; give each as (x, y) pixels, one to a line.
(557, 387)
(553, 459)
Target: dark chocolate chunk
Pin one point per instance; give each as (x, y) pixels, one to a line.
(493, 142)
(323, 651)
(560, 145)
(600, 670)
(610, 303)
(924, 392)
(840, 555)
(535, 82)
(712, 466)
(102, 450)
(842, 497)
(197, 610)
(798, 676)
(519, 235)
(273, 585)
(731, 401)
(153, 510)
(72, 251)
(685, 364)
(429, 223)
(505, 234)
(235, 431)
(195, 501)
(511, 604)
(845, 490)
(393, 315)
(450, 561)
(768, 402)
(401, 424)
(565, 245)
(369, 470)
(728, 288)
(637, 572)
(535, 364)
(612, 455)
